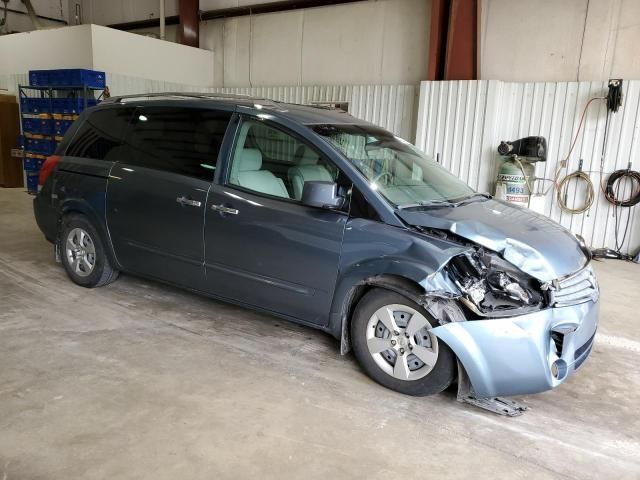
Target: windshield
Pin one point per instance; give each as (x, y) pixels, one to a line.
(404, 175)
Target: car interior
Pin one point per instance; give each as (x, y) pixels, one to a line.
(269, 161)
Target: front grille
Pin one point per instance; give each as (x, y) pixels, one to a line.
(578, 288)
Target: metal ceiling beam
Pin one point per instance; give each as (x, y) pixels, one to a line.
(462, 42)
(234, 12)
(453, 47)
(189, 26)
(438, 38)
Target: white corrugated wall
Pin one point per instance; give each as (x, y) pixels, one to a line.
(462, 122)
(390, 106)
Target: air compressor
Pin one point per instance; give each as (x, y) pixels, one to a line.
(516, 173)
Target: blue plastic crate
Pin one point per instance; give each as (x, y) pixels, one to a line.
(42, 126)
(60, 127)
(32, 181)
(35, 105)
(38, 78)
(33, 164)
(77, 77)
(40, 145)
(69, 106)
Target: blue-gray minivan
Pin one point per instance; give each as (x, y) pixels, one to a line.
(315, 216)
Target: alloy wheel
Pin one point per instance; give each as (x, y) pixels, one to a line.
(81, 252)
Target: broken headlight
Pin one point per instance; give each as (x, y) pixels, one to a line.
(492, 286)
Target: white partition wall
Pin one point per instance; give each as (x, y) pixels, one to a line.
(462, 122)
(102, 48)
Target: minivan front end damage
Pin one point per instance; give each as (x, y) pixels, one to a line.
(524, 336)
(525, 354)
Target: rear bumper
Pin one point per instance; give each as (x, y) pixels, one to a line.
(45, 217)
(514, 356)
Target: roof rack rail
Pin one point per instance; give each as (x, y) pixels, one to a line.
(211, 96)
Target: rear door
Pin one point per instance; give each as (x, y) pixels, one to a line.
(158, 189)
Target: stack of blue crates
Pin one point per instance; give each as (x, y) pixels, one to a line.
(49, 110)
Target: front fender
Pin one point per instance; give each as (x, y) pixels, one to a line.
(373, 250)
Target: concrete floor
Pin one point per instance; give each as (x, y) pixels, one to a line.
(140, 380)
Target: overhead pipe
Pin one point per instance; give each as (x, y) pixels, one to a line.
(162, 20)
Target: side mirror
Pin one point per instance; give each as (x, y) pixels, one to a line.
(321, 194)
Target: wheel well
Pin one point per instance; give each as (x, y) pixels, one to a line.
(63, 214)
(394, 283)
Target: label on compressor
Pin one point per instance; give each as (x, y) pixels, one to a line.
(513, 189)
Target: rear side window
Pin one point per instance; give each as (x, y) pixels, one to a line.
(179, 140)
(100, 135)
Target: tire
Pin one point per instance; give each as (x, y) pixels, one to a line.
(369, 333)
(83, 254)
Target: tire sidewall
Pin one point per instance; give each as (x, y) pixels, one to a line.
(69, 222)
(437, 380)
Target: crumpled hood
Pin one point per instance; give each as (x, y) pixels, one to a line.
(530, 241)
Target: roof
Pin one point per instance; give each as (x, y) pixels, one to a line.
(304, 114)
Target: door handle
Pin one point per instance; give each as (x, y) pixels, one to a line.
(223, 209)
(187, 201)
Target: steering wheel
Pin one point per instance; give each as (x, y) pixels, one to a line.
(383, 175)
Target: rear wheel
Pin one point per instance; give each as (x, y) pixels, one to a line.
(82, 252)
(392, 340)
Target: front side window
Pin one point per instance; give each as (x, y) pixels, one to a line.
(269, 161)
(400, 172)
(185, 141)
(99, 136)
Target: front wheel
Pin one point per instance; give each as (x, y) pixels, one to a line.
(392, 340)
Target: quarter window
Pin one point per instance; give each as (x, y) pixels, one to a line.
(185, 141)
(269, 161)
(100, 134)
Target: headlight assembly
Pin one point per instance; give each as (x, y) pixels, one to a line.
(493, 287)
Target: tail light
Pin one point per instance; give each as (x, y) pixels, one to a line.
(46, 169)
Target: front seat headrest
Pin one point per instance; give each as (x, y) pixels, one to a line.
(250, 160)
(306, 156)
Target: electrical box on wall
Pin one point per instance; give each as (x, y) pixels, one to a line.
(614, 96)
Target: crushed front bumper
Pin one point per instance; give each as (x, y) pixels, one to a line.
(526, 354)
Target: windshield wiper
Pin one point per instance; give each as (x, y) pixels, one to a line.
(430, 203)
(471, 197)
(448, 203)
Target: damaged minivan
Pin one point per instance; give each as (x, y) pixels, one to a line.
(315, 216)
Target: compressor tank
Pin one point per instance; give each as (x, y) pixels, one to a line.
(511, 184)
